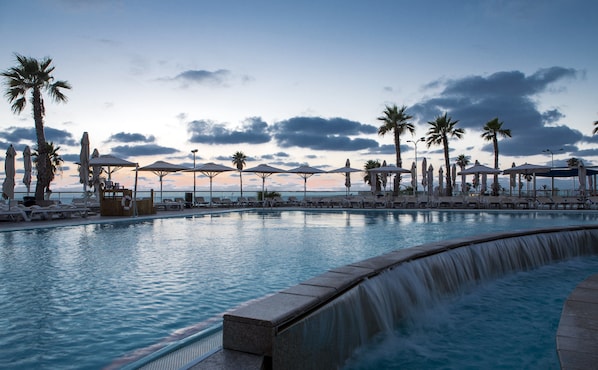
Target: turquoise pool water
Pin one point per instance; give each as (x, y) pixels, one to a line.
(85, 297)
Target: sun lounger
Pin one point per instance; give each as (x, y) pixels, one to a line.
(13, 213)
(169, 205)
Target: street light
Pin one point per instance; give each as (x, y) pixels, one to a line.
(551, 167)
(415, 147)
(193, 200)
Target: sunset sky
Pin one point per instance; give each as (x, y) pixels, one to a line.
(302, 82)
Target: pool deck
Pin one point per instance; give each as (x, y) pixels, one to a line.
(576, 338)
(577, 335)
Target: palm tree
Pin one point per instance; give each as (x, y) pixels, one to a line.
(370, 164)
(443, 128)
(462, 161)
(53, 162)
(396, 121)
(595, 131)
(34, 75)
(239, 159)
(492, 130)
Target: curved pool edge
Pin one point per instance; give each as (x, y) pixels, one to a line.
(252, 334)
(577, 334)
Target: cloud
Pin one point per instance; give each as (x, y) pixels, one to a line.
(252, 131)
(27, 136)
(124, 137)
(127, 151)
(323, 134)
(202, 77)
(510, 96)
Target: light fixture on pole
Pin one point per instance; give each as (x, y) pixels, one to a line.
(551, 167)
(194, 151)
(415, 147)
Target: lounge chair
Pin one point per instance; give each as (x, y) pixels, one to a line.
(13, 213)
(201, 202)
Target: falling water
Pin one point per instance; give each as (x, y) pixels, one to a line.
(330, 335)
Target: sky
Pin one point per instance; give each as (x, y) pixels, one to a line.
(303, 82)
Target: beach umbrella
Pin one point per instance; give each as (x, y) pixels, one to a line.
(477, 170)
(430, 175)
(424, 173)
(347, 170)
(384, 176)
(414, 177)
(454, 175)
(527, 170)
(161, 169)
(440, 180)
(8, 186)
(212, 170)
(84, 162)
(388, 169)
(27, 165)
(96, 172)
(264, 170)
(305, 172)
(111, 162)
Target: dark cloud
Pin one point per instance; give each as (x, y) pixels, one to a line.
(27, 136)
(510, 96)
(203, 77)
(323, 134)
(124, 137)
(253, 131)
(128, 151)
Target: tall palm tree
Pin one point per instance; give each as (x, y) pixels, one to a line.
(53, 162)
(35, 76)
(370, 164)
(492, 130)
(395, 120)
(239, 159)
(441, 130)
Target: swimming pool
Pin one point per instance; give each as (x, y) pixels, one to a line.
(86, 296)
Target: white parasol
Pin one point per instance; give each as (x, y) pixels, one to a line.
(84, 162)
(8, 186)
(305, 172)
(212, 170)
(347, 170)
(264, 170)
(161, 169)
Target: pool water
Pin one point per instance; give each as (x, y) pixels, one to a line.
(93, 296)
(508, 323)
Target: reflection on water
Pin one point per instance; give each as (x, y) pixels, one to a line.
(81, 296)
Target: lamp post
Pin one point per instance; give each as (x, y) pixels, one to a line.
(193, 151)
(415, 148)
(551, 167)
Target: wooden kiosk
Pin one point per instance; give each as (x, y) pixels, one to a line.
(119, 202)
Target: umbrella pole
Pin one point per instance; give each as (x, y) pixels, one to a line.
(211, 177)
(304, 187)
(135, 211)
(263, 194)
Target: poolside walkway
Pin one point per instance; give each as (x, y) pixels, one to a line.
(577, 335)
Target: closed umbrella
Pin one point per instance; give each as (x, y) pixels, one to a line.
(347, 170)
(424, 173)
(27, 166)
(484, 183)
(430, 180)
(414, 177)
(161, 169)
(305, 172)
(96, 172)
(440, 180)
(454, 175)
(512, 180)
(84, 162)
(8, 186)
(384, 176)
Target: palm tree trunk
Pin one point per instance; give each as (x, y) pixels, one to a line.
(42, 150)
(397, 179)
(449, 184)
(495, 184)
(241, 183)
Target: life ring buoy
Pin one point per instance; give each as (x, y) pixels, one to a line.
(126, 202)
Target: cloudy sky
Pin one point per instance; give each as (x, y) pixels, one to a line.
(303, 82)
